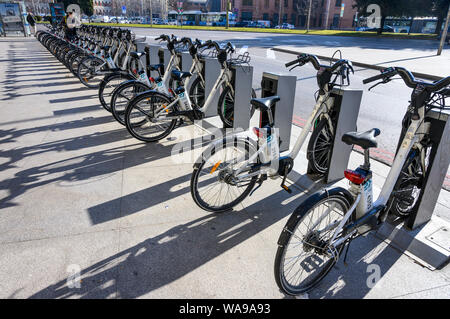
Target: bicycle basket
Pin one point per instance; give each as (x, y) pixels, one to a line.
(440, 100)
(240, 59)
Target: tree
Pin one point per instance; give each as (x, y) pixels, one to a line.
(439, 9)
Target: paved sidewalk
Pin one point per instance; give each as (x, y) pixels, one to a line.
(77, 192)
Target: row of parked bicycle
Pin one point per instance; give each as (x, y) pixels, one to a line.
(232, 168)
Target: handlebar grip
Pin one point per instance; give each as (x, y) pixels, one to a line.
(292, 63)
(374, 78)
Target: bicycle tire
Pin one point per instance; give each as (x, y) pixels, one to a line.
(338, 195)
(129, 115)
(226, 111)
(319, 147)
(107, 83)
(244, 144)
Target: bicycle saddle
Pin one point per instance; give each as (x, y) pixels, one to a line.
(177, 75)
(136, 55)
(365, 140)
(156, 67)
(264, 103)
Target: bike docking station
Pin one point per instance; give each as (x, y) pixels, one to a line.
(345, 103)
(423, 236)
(154, 57)
(242, 79)
(186, 65)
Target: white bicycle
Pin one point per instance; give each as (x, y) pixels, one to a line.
(316, 233)
(229, 169)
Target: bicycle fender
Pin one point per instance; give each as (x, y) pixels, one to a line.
(241, 136)
(309, 203)
(121, 85)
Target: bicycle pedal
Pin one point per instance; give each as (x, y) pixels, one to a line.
(283, 184)
(287, 189)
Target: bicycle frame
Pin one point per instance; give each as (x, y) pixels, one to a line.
(415, 131)
(322, 107)
(224, 77)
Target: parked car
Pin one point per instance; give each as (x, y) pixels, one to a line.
(242, 24)
(102, 19)
(385, 29)
(263, 24)
(121, 20)
(285, 26)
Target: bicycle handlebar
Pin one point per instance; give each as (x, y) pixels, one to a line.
(304, 58)
(408, 78)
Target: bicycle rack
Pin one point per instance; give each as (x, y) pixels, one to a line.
(242, 75)
(284, 86)
(437, 168)
(212, 71)
(349, 101)
(154, 57)
(186, 64)
(142, 47)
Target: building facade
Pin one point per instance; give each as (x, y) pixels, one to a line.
(324, 13)
(102, 7)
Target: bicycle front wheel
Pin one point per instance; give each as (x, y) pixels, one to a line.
(303, 257)
(214, 186)
(140, 117)
(87, 72)
(122, 96)
(225, 107)
(107, 86)
(319, 147)
(405, 195)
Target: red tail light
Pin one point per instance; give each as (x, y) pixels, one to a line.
(354, 177)
(151, 79)
(258, 132)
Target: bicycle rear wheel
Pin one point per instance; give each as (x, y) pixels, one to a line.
(303, 257)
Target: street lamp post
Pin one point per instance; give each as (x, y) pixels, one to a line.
(444, 33)
(228, 4)
(309, 15)
(151, 13)
(280, 12)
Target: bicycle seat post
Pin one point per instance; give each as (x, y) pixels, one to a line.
(366, 165)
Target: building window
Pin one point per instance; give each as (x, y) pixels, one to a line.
(338, 3)
(247, 2)
(247, 16)
(265, 16)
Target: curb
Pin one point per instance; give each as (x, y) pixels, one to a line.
(363, 65)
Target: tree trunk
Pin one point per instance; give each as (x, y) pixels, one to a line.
(380, 30)
(439, 25)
